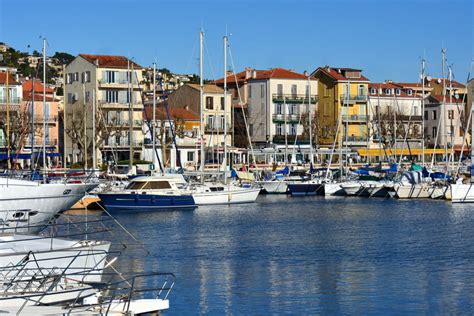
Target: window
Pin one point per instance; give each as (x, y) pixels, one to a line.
(434, 115)
(361, 90)
(409, 92)
(451, 130)
(279, 129)
(111, 96)
(110, 76)
(387, 91)
(292, 109)
(434, 132)
(156, 185)
(372, 90)
(293, 128)
(307, 91)
(279, 108)
(397, 91)
(210, 121)
(294, 91)
(69, 78)
(88, 96)
(222, 122)
(415, 110)
(249, 89)
(70, 98)
(280, 90)
(190, 155)
(251, 129)
(426, 115)
(222, 104)
(209, 103)
(88, 76)
(76, 76)
(262, 91)
(450, 114)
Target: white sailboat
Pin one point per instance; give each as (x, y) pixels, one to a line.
(211, 193)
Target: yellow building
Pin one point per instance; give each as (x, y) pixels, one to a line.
(342, 106)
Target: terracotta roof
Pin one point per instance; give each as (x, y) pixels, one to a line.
(109, 61)
(446, 99)
(448, 83)
(208, 88)
(27, 86)
(274, 73)
(38, 97)
(175, 113)
(334, 73)
(11, 79)
(411, 84)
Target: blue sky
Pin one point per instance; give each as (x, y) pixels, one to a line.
(384, 38)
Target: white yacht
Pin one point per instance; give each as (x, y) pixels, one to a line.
(218, 193)
(26, 206)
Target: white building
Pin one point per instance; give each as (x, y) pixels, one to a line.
(106, 79)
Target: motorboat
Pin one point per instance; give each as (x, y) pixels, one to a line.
(26, 206)
(150, 193)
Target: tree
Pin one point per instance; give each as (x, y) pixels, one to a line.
(63, 58)
(316, 127)
(104, 130)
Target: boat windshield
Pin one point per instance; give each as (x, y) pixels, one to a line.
(152, 185)
(135, 185)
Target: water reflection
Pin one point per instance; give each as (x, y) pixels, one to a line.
(312, 255)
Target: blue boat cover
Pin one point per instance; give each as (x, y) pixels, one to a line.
(285, 170)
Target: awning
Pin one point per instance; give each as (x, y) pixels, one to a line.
(4, 156)
(374, 152)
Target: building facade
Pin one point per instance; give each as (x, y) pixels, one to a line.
(395, 116)
(215, 108)
(343, 107)
(109, 87)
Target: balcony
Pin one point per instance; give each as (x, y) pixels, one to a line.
(407, 118)
(118, 84)
(353, 98)
(39, 142)
(289, 118)
(355, 141)
(294, 98)
(15, 100)
(354, 118)
(123, 144)
(39, 119)
(119, 105)
(209, 129)
(280, 139)
(125, 124)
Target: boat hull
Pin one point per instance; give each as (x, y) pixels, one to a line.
(25, 207)
(305, 188)
(145, 202)
(462, 193)
(412, 191)
(237, 196)
(274, 187)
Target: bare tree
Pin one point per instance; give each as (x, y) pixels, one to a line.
(316, 128)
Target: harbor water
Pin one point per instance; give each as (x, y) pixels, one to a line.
(311, 255)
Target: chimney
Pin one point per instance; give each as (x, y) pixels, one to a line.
(248, 72)
(229, 73)
(254, 74)
(305, 73)
(96, 62)
(328, 69)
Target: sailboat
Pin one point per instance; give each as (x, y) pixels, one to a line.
(216, 193)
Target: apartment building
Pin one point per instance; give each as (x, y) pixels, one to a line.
(44, 119)
(109, 87)
(343, 109)
(10, 114)
(275, 102)
(395, 116)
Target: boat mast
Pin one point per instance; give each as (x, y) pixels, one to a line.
(443, 110)
(130, 116)
(310, 113)
(201, 96)
(44, 103)
(423, 112)
(33, 121)
(94, 158)
(286, 129)
(154, 116)
(8, 119)
(224, 162)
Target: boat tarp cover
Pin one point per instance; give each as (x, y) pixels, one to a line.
(285, 170)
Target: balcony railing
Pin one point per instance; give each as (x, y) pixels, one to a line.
(280, 139)
(120, 104)
(216, 129)
(294, 98)
(354, 139)
(125, 123)
(286, 117)
(39, 142)
(353, 98)
(15, 100)
(354, 118)
(49, 119)
(123, 144)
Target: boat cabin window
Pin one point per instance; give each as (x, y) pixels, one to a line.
(213, 189)
(136, 185)
(153, 185)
